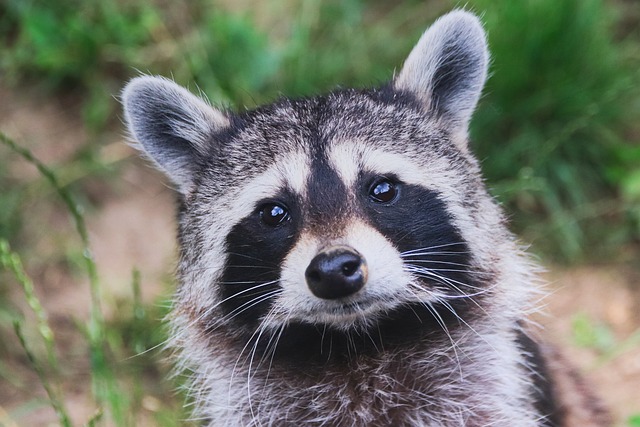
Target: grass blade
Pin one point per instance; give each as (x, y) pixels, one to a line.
(105, 387)
(51, 391)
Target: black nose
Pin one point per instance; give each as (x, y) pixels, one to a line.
(336, 272)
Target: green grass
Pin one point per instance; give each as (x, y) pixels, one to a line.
(557, 132)
(116, 386)
(634, 421)
(10, 261)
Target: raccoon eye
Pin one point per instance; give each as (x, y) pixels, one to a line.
(273, 214)
(383, 191)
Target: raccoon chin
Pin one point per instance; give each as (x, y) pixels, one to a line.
(348, 314)
(357, 313)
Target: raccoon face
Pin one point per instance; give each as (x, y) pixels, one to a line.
(354, 239)
(352, 210)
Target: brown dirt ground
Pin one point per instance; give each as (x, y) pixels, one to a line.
(133, 227)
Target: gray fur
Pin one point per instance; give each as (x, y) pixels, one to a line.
(467, 372)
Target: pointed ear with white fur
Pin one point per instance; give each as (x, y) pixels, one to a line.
(447, 69)
(172, 126)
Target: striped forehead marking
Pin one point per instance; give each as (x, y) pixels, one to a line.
(349, 160)
(293, 172)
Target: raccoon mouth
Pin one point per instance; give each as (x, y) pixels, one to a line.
(351, 309)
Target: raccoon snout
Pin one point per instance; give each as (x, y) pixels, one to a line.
(336, 272)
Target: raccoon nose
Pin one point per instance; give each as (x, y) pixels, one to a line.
(336, 272)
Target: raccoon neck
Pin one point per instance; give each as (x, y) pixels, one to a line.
(375, 378)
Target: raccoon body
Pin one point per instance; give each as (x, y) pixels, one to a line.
(341, 262)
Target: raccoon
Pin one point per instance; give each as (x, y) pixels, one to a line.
(341, 261)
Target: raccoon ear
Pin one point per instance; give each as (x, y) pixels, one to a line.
(172, 126)
(447, 69)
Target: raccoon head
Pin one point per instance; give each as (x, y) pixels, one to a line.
(348, 211)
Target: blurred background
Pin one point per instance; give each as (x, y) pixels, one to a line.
(87, 229)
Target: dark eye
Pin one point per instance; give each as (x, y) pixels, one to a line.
(273, 214)
(383, 191)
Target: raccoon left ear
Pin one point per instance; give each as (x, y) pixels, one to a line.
(172, 126)
(447, 69)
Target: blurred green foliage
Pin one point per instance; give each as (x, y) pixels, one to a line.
(79, 46)
(558, 129)
(590, 334)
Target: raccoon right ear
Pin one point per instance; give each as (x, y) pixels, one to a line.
(447, 68)
(172, 126)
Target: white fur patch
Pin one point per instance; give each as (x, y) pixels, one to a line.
(350, 158)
